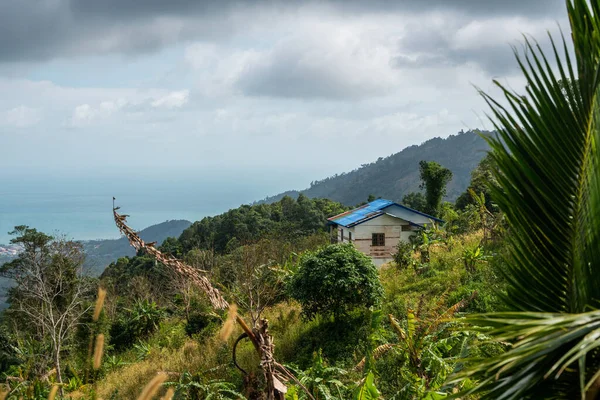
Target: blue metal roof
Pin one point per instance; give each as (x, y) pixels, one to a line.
(369, 211)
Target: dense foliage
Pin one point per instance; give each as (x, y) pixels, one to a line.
(501, 301)
(334, 280)
(287, 218)
(482, 180)
(434, 179)
(155, 320)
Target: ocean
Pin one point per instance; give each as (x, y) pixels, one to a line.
(79, 205)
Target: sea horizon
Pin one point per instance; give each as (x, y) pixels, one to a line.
(80, 207)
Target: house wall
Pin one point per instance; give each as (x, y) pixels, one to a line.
(390, 226)
(362, 234)
(339, 230)
(407, 215)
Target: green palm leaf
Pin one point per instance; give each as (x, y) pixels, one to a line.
(548, 170)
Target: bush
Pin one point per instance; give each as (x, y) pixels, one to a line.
(198, 322)
(403, 255)
(138, 322)
(334, 280)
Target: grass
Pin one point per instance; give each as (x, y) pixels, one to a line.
(296, 339)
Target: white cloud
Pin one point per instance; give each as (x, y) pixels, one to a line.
(172, 100)
(20, 117)
(86, 114)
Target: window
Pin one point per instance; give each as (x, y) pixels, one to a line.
(406, 228)
(378, 239)
(342, 235)
(349, 236)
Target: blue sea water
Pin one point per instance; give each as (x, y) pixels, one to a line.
(79, 205)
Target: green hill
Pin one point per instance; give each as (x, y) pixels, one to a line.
(394, 176)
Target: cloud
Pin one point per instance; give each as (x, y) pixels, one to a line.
(172, 100)
(330, 62)
(20, 117)
(485, 43)
(35, 30)
(85, 114)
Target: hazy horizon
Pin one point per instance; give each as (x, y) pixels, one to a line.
(79, 205)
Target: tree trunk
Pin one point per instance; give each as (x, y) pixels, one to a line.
(57, 366)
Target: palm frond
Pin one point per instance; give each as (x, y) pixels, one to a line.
(546, 152)
(545, 348)
(548, 163)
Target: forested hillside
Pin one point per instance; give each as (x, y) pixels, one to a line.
(394, 176)
(286, 219)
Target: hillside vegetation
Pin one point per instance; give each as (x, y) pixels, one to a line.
(153, 320)
(397, 175)
(500, 302)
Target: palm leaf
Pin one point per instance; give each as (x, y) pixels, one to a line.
(547, 156)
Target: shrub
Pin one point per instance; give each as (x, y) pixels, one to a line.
(137, 323)
(198, 322)
(403, 255)
(334, 280)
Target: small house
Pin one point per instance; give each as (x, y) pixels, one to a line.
(376, 227)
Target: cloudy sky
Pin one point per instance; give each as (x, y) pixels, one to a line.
(309, 87)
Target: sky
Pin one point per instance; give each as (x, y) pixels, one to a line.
(304, 88)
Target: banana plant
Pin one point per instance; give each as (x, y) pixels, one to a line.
(198, 386)
(471, 257)
(547, 153)
(429, 349)
(367, 389)
(320, 380)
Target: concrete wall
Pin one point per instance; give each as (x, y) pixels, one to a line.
(338, 231)
(391, 226)
(362, 237)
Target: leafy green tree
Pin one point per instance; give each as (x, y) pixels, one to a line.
(286, 219)
(482, 180)
(136, 323)
(416, 201)
(172, 247)
(335, 280)
(434, 179)
(548, 162)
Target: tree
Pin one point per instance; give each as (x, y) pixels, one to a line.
(434, 179)
(416, 201)
(549, 169)
(482, 179)
(335, 280)
(50, 293)
(257, 281)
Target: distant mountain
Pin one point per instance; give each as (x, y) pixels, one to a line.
(100, 253)
(394, 176)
